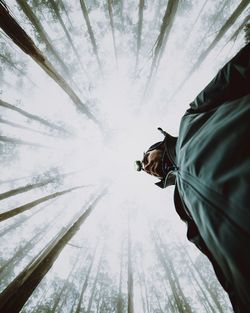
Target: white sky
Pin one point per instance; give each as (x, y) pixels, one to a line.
(129, 127)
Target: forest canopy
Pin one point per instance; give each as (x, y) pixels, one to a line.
(83, 87)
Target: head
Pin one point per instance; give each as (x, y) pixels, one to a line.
(159, 160)
(154, 161)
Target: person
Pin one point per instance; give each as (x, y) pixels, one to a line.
(209, 165)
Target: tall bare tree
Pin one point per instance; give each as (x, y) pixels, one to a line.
(22, 219)
(16, 125)
(29, 187)
(34, 117)
(17, 293)
(181, 301)
(161, 41)
(111, 20)
(43, 36)
(130, 273)
(223, 30)
(16, 141)
(10, 213)
(65, 289)
(91, 33)
(56, 10)
(86, 281)
(23, 250)
(196, 20)
(119, 302)
(139, 32)
(25, 43)
(65, 10)
(93, 289)
(240, 28)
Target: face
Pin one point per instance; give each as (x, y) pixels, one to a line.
(152, 163)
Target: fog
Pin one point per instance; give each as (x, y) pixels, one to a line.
(110, 73)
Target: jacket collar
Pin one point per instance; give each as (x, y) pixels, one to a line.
(170, 155)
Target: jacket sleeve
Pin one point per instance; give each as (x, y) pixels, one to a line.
(231, 82)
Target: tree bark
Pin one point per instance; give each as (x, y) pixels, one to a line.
(203, 280)
(236, 33)
(95, 283)
(29, 187)
(23, 250)
(91, 33)
(196, 20)
(85, 283)
(161, 40)
(130, 274)
(111, 19)
(25, 43)
(60, 2)
(180, 299)
(41, 32)
(236, 13)
(56, 10)
(17, 293)
(8, 214)
(16, 141)
(63, 294)
(33, 117)
(139, 32)
(18, 223)
(119, 303)
(16, 125)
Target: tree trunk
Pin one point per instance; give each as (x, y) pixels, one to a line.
(94, 284)
(85, 283)
(166, 27)
(100, 299)
(180, 299)
(111, 19)
(56, 10)
(60, 2)
(12, 64)
(8, 214)
(18, 223)
(17, 293)
(29, 187)
(16, 141)
(240, 8)
(41, 32)
(23, 250)
(236, 33)
(196, 20)
(25, 43)
(161, 41)
(158, 302)
(33, 117)
(141, 291)
(130, 274)
(119, 303)
(211, 293)
(63, 294)
(139, 32)
(10, 181)
(91, 33)
(16, 125)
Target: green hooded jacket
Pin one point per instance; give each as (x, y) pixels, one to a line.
(212, 161)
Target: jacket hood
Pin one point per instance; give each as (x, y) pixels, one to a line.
(168, 154)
